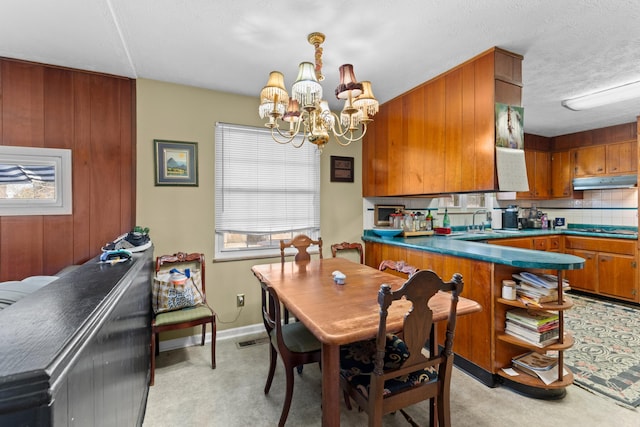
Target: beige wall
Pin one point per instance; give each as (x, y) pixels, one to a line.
(182, 218)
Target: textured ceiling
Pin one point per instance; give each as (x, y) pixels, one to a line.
(570, 47)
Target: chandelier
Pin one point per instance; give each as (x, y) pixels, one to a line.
(308, 114)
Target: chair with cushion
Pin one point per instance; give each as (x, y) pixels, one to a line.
(200, 315)
(301, 242)
(400, 268)
(388, 373)
(295, 344)
(346, 246)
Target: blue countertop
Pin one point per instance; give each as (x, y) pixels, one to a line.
(474, 246)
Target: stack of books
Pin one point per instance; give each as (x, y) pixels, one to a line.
(537, 327)
(533, 363)
(538, 288)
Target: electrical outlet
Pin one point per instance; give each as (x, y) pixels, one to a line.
(240, 300)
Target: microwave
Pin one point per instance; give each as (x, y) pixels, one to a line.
(381, 214)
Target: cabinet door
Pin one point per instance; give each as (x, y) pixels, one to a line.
(542, 173)
(589, 161)
(622, 157)
(540, 243)
(617, 274)
(519, 242)
(381, 163)
(530, 163)
(586, 278)
(413, 172)
(561, 185)
(396, 145)
(434, 147)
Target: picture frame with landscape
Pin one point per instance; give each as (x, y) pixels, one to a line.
(176, 163)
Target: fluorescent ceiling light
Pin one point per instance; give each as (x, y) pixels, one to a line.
(604, 97)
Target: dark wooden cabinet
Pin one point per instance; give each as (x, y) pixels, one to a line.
(76, 352)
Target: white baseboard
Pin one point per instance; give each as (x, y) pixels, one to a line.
(220, 335)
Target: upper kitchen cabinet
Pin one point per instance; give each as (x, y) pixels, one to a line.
(589, 161)
(561, 176)
(610, 159)
(440, 136)
(538, 175)
(622, 158)
(605, 151)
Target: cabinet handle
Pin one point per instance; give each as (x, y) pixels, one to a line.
(634, 264)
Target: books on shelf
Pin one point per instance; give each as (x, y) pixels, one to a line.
(536, 327)
(537, 288)
(539, 339)
(534, 364)
(533, 318)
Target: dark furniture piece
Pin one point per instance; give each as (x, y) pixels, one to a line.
(295, 344)
(392, 384)
(301, 242)
(346, 246)
(76, 352)
(199, 315)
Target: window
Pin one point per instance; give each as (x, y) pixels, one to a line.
(265, 192)
(35, 181)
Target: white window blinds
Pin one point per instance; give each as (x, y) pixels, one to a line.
(263, 187)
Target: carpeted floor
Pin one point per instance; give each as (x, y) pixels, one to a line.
(605, 358)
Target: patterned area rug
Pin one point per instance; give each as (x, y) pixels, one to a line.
(606, 356)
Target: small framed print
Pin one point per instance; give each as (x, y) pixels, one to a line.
(176, 163)
(341, 169)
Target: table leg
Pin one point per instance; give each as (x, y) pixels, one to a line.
(330, 385)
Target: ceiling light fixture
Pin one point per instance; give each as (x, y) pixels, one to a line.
(308, 114)
(604, 97)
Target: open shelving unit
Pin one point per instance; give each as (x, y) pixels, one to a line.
(508, 346)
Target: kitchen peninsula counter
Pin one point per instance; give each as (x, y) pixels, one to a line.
(479, 347)
(467, 246)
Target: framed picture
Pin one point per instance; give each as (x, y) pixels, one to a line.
(176, 163)
(341, 169)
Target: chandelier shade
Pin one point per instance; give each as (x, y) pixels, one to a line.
(308, 114)
(349, 86)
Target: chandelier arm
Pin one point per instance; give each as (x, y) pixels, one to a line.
(288, 137)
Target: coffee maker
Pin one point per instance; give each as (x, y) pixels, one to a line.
(510, 218)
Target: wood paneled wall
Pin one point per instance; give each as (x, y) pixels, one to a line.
(94, 116)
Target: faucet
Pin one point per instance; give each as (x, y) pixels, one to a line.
(473, 223)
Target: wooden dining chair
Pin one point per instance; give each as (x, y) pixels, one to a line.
(200, 315)
(400, 268)
(301, 242)
(388, 374)
(295, 344)
(346, 246)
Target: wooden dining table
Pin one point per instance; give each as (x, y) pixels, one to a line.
(342, 314)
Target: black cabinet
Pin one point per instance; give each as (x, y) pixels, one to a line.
(76, 352)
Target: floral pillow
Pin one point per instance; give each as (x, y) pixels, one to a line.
(358, 358)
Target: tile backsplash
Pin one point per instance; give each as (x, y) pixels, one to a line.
(603, 207)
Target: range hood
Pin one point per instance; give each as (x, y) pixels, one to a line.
(605, 182)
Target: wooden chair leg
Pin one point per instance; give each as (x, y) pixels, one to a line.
(153, 358)
(288, 396)
(204, 334)
(213, 343)
(273, 356)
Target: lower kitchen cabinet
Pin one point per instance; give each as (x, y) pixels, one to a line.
(610, 267)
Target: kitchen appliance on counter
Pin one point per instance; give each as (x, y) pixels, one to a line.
(510, 218)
